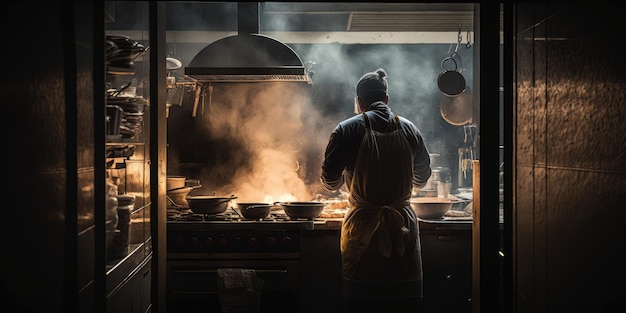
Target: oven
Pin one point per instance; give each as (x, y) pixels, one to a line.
(201, 248)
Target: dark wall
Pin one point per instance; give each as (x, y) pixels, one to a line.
(570, 159)
(48, 136)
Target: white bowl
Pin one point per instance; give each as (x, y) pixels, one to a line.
(431, 207)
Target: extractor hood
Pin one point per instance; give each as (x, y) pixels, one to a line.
(247, 56)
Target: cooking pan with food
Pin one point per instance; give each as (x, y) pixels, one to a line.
(254, 210)
(209, 204)
(303, 210)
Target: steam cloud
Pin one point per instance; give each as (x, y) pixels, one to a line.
(270, 131)
(265, 141)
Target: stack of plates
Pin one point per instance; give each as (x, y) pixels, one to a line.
(131, 123)
(121, 53)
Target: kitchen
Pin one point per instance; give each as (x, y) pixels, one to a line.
(237, 141)
(590, 172)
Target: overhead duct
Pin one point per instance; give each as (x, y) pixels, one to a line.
(247, 56)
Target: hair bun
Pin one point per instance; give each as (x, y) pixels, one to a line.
(381, 72)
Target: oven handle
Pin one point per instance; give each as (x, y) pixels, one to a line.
(215, 271)
(193, 293)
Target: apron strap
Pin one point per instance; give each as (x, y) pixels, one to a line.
(368, 124)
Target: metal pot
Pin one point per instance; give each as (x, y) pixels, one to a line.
(209, 204)
(450, 81)
(254, 210)
(305, 210)
(181, 182)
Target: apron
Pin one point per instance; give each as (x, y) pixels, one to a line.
(379, 236)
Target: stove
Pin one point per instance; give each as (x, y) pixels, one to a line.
(199, 245)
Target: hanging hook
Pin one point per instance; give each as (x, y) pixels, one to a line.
(458, 40)
(469, 42)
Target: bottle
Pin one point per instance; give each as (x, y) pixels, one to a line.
(125, 207)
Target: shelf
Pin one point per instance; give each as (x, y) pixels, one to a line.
(127, 148)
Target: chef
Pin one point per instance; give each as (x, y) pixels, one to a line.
(379, 157)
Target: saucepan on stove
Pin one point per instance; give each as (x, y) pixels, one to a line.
(178, 189)
(304, 210)
(254, 210)
(209, 204)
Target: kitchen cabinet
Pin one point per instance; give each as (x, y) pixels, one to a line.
(447, 265)
(320, 272)
(134, 295)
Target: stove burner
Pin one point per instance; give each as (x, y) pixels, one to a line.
(186, 215)
(190, 216)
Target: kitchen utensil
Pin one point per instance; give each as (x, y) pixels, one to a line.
(175, 182)
(254, 210)
(431, 207)
(179, 195)
(179, 182)
(188, 188)
(209, 204)
(172, 64)
(116, 114)
(457, 110)
(237, 212)
(305, 210)
(450, 81)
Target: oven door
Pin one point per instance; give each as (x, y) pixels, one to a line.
(192, 285)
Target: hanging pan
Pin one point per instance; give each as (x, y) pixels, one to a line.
(450, 81)
(457, 110)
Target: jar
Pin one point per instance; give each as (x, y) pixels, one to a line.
(125, 207)
(111, 208)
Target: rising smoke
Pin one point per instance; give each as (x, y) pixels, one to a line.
(265, 141)
(267, 131)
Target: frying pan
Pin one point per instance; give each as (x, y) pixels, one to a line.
(457, 110)
(450, 81)
(305, 210)
(254, 210)
(209, 204)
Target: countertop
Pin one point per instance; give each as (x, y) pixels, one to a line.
(335, 223)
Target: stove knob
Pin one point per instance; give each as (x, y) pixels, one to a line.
(286, 240)
(208, 242)
(271, 241)
(180, 241)
(252, 241)
(195, 241)
(223, 242)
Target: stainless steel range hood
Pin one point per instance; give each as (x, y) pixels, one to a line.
(247, 56)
